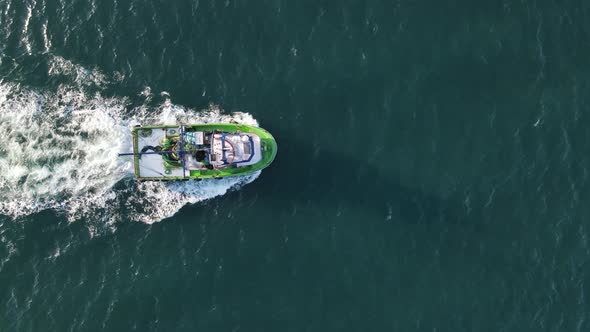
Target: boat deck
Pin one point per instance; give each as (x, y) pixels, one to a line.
(152, 165)
(200, 151)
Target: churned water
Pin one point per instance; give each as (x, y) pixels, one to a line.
(432, 172)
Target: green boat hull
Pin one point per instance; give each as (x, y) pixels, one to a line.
(268, 151)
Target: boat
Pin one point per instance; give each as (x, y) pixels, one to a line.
(199, 151)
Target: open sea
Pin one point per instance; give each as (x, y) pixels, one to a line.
(433, 171)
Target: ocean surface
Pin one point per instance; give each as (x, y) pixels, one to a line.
(432, 175)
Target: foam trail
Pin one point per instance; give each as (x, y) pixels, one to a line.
(59, 150)
(51, 154)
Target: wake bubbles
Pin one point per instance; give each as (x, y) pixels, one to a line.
(58, 150)
(52, 154)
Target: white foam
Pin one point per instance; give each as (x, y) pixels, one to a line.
(49, 156)
(59, 150)
(25, 30)
(46, 41)
(170, 113)
(159, 200)
(59, 66)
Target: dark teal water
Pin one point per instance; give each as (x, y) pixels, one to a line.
(432, 175)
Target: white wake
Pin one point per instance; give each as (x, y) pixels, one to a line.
(58, 150)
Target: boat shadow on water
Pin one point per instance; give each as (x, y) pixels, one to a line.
(334, 182)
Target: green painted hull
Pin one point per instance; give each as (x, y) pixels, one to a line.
(268, 147)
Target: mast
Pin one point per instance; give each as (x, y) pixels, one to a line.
(142, 153)
(182, 152)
